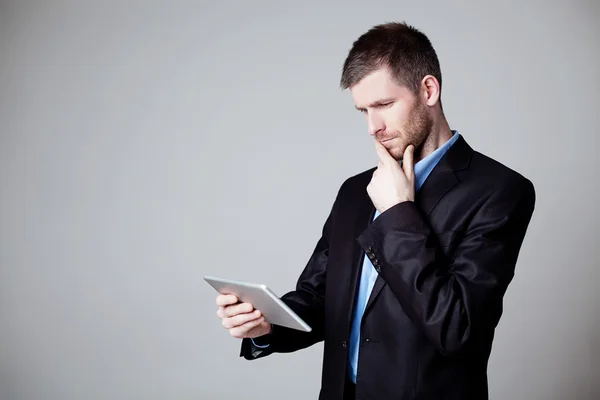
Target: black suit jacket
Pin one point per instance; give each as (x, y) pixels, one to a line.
(444, 263)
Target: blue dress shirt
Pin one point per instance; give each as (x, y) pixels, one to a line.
(368, 274)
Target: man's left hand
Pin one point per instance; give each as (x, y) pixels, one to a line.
(391, 183)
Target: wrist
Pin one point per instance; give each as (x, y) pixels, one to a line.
(264, 340)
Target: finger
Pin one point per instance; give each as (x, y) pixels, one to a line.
(242, 330)
(221, 312)
(382, 153)
(240, 319)
(226, 300)
(407, 161)
(236, 309)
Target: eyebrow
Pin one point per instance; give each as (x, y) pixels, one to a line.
(377, 103)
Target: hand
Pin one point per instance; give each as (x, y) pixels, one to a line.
(241, 319)
(392, 184)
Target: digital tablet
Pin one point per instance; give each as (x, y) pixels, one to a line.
(272, 307)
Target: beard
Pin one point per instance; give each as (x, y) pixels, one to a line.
(415, 131)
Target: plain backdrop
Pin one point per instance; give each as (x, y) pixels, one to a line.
(144, 145)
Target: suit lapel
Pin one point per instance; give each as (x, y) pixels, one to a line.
(441, 179)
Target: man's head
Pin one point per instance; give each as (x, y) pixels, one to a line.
(394, 75)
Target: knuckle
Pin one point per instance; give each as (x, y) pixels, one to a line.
(237, 333)
(254, 324)
(252, 320)
(247, 325)
(242, 319)
(231, 311)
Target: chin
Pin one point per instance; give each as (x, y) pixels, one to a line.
(396, 152)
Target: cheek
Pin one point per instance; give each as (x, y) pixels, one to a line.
(396, 117)
(401, 112)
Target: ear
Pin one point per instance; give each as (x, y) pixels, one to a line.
(430, 90)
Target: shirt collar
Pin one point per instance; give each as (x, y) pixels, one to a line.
(424, 166)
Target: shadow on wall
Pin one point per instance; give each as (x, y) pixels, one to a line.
(595, 364)
(581, 381)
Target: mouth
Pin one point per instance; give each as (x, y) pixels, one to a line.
(386, 140)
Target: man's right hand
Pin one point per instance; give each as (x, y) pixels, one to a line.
(241, 319)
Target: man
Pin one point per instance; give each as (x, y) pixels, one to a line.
(405, 286)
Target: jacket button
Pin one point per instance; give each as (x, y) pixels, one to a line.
(344, 344)
(367, 340)
(378, 268)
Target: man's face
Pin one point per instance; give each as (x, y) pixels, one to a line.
(395, 116)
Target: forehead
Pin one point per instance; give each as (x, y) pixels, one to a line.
(375, 86)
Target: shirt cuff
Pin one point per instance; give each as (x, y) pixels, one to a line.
(264, 346)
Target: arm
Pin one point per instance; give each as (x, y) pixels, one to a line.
(451, 300)
(307, 300)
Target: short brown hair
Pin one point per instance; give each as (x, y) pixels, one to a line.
(406, 51)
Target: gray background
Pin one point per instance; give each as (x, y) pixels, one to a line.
(143, 146)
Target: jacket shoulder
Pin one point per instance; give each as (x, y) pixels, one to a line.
(499, 177)
(359, 180)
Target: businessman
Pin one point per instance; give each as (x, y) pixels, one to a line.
(406, 283)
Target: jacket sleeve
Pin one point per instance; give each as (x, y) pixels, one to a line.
(451, 298)
(307, 300)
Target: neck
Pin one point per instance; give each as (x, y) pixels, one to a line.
(439, 134)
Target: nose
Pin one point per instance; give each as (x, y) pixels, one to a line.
(375, 123)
